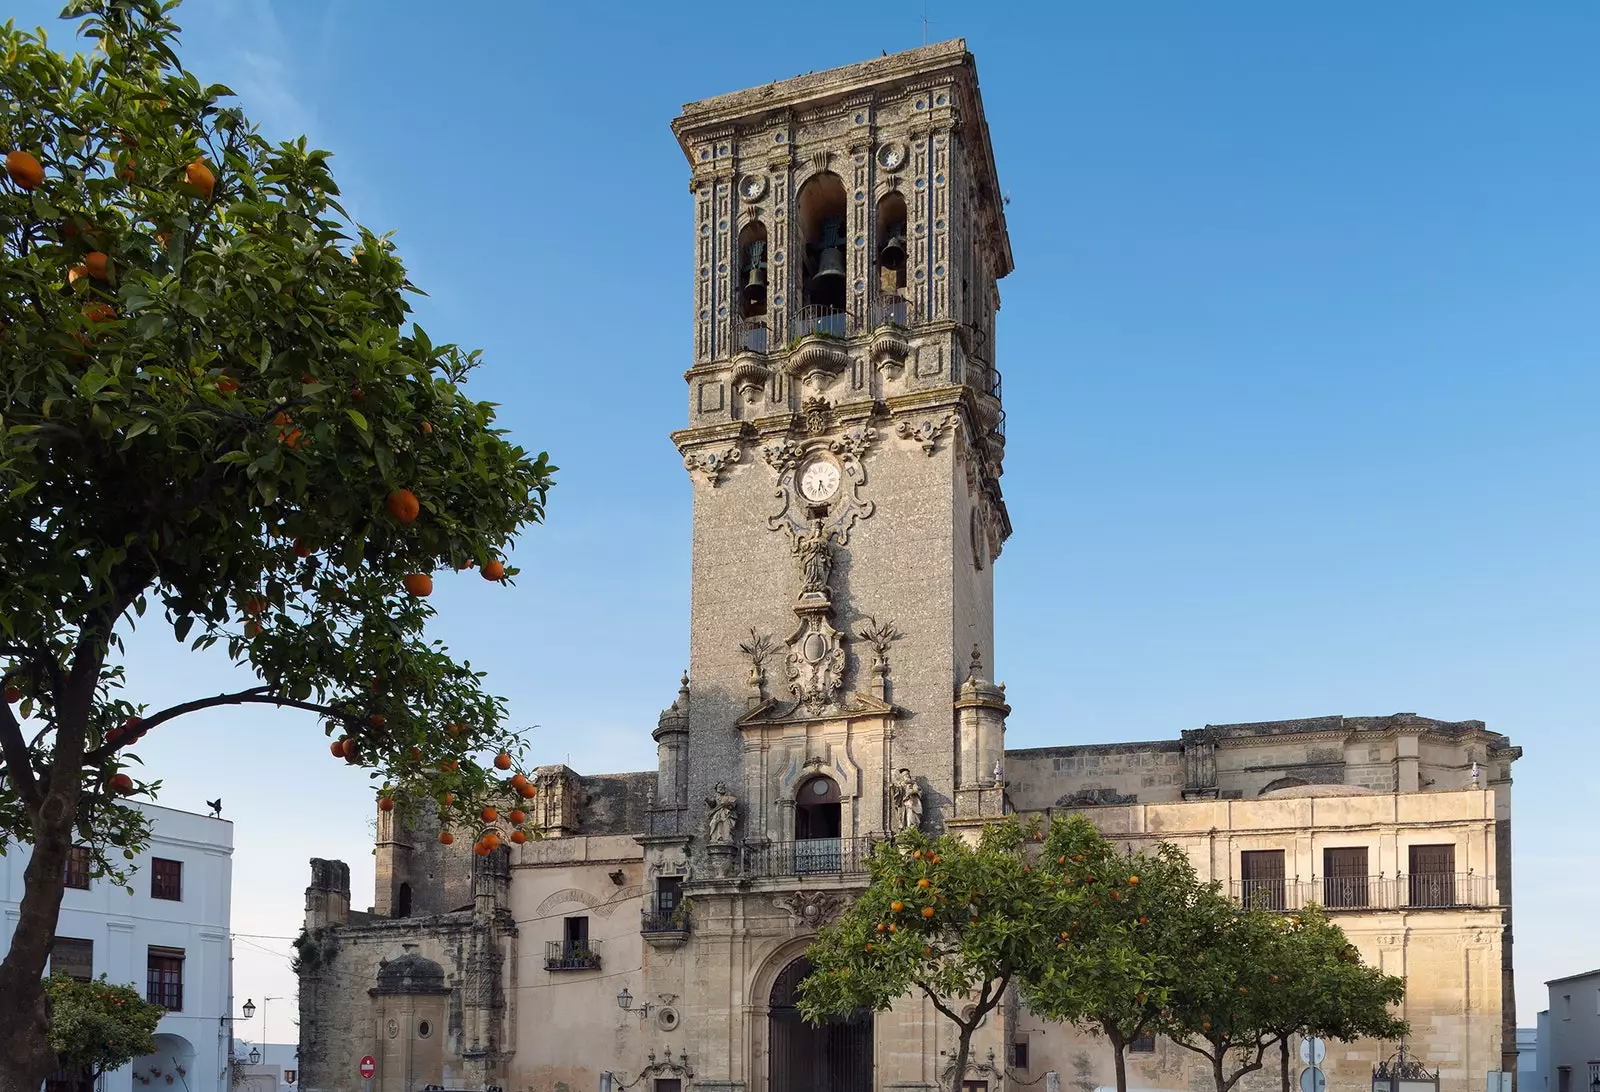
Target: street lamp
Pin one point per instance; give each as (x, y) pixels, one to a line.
(249, 1008)
(625, 1003)
(255, 1056)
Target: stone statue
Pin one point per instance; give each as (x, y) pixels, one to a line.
(724, 814)
(816, 559)
(910, 798)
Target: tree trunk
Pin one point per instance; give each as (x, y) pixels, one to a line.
(963, 1049)
(1283, 1057)
(1216, 1071)
(1119, 1059)
(24, 1006)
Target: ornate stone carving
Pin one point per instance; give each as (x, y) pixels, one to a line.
(816, 657)
(819, 415)
(927, 431)
(854, 442)
(750, 375)
(782, 456)
(811, 909)
(723, 815)
(907, 801)
(814, 555)
(713, 463)
(845, 507)
(758, 649)
(880, 637)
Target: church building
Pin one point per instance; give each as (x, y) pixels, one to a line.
(845, 441)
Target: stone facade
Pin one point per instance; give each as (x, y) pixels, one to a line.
(845, 443)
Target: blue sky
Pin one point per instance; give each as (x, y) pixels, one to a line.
(1299, 356)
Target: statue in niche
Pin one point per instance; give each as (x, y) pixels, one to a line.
(815, 557)
(724, 814)
(908, 798)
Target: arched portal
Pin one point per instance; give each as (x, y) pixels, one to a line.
(835, 1056)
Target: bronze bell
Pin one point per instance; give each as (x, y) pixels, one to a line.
(827, 284)
(893, 254)
(755, 278)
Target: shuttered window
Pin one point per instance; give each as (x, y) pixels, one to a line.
(1433, 875)
(1344, 877)
(1262, 873)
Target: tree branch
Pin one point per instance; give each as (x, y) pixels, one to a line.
(256, 695)
(17, 766)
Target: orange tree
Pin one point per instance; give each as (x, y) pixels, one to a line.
(97, 1026)
(215, 416)
(956, 921)
(1321, 987)
(1126, 929)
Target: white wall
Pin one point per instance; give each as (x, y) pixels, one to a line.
(123, 925)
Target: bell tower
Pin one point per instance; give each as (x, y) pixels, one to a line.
(845, 444)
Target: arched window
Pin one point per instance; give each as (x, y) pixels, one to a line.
(891, 249)
(402, 903)
(816, 809)
(753, 270)
(821, 204)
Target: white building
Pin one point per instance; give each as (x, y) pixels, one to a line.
(1569, 1035)
(168, 938)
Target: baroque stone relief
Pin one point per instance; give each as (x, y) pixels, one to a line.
(712, 464)
(722, 815)
(846, 506)
(927, 431)
(811, 909)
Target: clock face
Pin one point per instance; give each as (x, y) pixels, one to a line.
(819, 480)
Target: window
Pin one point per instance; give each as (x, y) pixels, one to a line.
(974, 1086)
(1144, 1044)
(572, 952)
(669, 893)
(424, 1029)
(1566, 1006)
(576, 932)
(669, 1084)
(164, 983)
(78, 867)
(1433, 875)
(1564, 1078)
(1262, 873)
(73, 958)
(1344, 877)
(1019, 1054)
(166, 879)
(403, 902)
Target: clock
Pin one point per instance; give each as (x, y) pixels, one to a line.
(819, 480)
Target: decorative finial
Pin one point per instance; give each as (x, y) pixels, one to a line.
(683, 692)
(976, 670)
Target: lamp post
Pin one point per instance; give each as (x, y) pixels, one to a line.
(625, 1003)
(264, 1000)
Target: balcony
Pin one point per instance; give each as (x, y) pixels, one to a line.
(1336, 894)
(664, 928)
(809, 857)
(566, 956)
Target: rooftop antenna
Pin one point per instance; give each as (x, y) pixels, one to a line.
(924, 22)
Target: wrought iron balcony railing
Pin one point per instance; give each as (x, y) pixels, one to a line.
(809, 857)
(655, 918)
(891, 311)
(826, 321)
(1414, 891)
(750, 334)
(566, 956)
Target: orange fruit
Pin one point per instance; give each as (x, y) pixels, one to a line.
(99, 312)
(450, 766)
(881, 927)
(385, 804)
(13, 695)
(897, 906)
(403, 505)
(892, 927)
(98, 265)
(336, 748)
(198, 175)
(927, 911)
(480, 849)
(488, 815)
(253, 629)
(449, 798)
(927, 951)
(916, 855)
(494, 570)
(427, 429)
(518, 781)
(516, 816)
(445, 837)
(492, 840)
(416, 754)
(24, 170)
(528, 792)
(77, 273)
(1133, 879)
(301, 549)
(227, 384)
(254, 605)
(455, 729)
(869, 945)
(419, 585)
(347, 747)
(502, 761)
(518, 837)
(923, 883)
(121, 784)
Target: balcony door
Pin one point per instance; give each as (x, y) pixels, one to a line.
(1344, 877)
(817, 826)
(1433, 875)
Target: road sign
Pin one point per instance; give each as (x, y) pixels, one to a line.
(1313, 1080)
(1313, 1050)
(369, 1066)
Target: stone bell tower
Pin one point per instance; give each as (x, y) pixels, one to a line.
(845, 445)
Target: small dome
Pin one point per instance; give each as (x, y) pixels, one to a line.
(1295, 792)
(411, 973)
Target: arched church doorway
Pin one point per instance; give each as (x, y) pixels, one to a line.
(833, 1057)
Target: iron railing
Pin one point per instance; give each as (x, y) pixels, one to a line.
(655, 918)
(562, 955)
(809, 857)
(750, 333)
(811, 319)
(891, 310)
(1414, 891)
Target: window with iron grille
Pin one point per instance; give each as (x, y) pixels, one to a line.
(1262, 873)
(166, 879)
(164, 980)
(73, 958)
(1019, 1054)
(1344, 876)
(1433, 875)
(78, 867)
(1144, 1044)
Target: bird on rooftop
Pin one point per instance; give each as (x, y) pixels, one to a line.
(216, 807)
